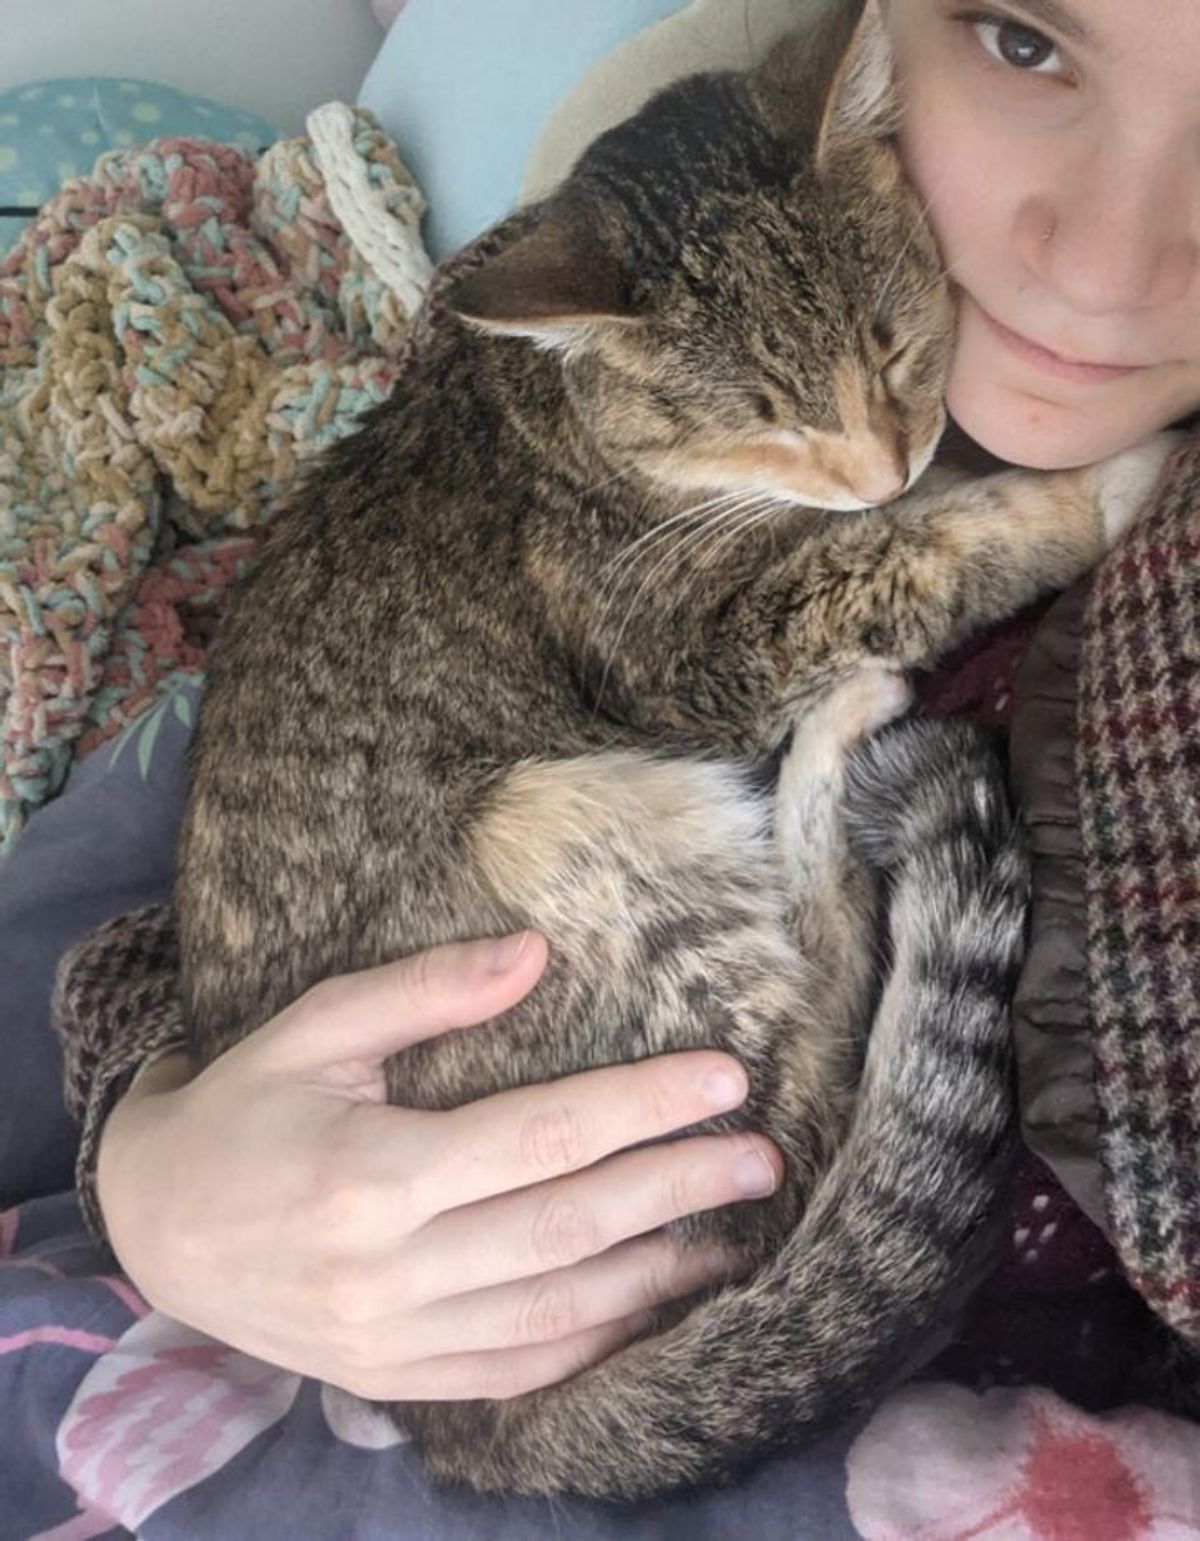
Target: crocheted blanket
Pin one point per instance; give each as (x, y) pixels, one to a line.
(179, 332)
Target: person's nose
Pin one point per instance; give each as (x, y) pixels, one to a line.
(1117, 232)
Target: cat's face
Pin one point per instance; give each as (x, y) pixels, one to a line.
(798, 348)
(742, 286)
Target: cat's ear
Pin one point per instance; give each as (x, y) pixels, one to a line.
(830, 84)
(555, 284)
(861, 102)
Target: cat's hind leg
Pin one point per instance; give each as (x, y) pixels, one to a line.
(809, 823)
(831, 891)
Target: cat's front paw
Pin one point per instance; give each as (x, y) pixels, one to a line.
(858, 705)
(1124, 482)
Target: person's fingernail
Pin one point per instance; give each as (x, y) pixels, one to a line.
(753, 1173)
(503, 952)
(725, 1088)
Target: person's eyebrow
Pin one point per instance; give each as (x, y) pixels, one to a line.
(1058, 18)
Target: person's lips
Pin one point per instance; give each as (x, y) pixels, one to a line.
(1054, 364)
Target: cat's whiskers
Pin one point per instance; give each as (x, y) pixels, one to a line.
(940, 278)
(700, 548)
(615, 573)
(674, 554)
(704, 552)
(764, 509)
(681, 528)
(756, 516)
(615, 578)
(659, 530)
(715, 528)
(746, 509)
(926, 205)
(949, 269)
(619, 571)
(621, 471)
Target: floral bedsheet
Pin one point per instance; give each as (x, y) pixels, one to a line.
(118, 1421)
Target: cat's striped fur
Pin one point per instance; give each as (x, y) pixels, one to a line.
(895, 1231)
(467, 690)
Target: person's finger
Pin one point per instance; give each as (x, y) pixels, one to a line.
(518, 1138)
(556, 1224)
(635, 1276)
(372, 1014)
(494, 1376)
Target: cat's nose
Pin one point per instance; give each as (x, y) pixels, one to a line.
(878, 470)
(879, 484)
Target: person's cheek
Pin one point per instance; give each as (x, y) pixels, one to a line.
(965, 204)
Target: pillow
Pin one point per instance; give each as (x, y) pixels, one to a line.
(386, 11)
(53, 130)
(466, 90)
(463, 88)
(705, 35)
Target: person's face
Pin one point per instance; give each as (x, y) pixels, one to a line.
(1057, 144)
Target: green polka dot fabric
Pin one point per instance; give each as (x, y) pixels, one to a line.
(53, 130)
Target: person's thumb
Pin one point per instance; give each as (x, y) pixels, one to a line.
(369, 1015)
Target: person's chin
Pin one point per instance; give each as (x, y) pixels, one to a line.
(1027, 429)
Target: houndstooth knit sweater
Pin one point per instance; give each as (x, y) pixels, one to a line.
(1138, 776)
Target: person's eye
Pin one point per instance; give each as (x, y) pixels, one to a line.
(1020, 47)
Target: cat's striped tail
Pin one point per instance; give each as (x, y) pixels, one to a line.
(897, 1229)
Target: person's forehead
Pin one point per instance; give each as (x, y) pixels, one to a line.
(1151, 48)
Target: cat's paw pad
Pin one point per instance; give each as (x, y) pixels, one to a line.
(861, 703)
(1124, 483)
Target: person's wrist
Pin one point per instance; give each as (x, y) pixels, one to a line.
(124, 1154)
(163, 1072)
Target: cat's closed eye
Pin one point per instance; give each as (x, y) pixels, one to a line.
(766, 408)
(885, 353)
(897, 357)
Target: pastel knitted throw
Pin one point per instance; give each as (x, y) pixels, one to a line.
(179, 331)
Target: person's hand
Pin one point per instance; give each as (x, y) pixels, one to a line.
(278, 1203)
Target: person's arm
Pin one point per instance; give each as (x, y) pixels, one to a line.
(116, 1010)
(276, 1201)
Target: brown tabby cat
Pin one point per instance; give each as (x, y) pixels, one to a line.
(481, 681)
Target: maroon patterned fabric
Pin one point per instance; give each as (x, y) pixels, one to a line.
(1062, 1306)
